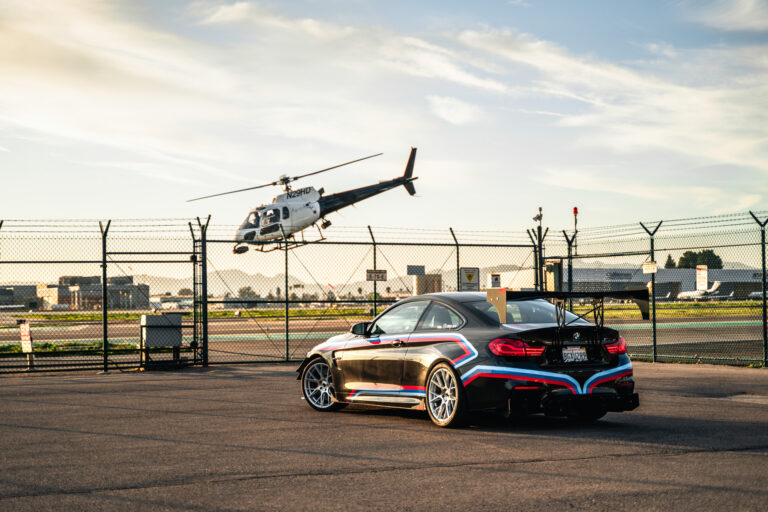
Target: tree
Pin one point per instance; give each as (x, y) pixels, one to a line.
(707, 257)
(670, 263)
(359, 291)
(278, 292)
(710, 259)
(246, 292)
(689, 259)
(185, 291)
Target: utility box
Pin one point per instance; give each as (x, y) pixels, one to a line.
(162, 330)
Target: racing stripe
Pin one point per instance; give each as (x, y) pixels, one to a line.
(502, 372)
(606, 376)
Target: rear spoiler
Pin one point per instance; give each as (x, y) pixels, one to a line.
(500, 296)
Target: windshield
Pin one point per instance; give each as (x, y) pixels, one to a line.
(252, 221)
(537, 311)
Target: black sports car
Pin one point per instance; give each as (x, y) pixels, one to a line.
(450, 353)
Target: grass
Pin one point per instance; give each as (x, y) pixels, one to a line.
(709, 309)
(70, 348)
(70, 318)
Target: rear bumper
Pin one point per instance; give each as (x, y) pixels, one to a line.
(561, 404)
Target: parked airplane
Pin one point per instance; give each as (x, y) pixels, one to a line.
(696, 295)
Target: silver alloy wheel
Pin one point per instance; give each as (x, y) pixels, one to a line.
(442, 393)
(318, 385)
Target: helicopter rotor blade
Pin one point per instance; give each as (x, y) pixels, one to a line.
(285, 180)
(293, 178)
(234, 191)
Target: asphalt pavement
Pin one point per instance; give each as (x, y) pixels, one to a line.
(240, 438)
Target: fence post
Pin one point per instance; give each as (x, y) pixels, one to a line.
(765, 311)
(653, 285)
(104, 294)
(375, 309)
(287, 305)
(535, 260)
(542, 258)
(570, 241)
(204, 283)
(195, 292)
(458, 262)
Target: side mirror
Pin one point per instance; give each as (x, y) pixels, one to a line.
(360, 329)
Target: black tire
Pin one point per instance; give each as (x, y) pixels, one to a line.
(446, 401)
(318, 388)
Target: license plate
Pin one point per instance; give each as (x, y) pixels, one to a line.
(574, 354)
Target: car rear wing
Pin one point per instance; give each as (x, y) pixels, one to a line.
(499, 297)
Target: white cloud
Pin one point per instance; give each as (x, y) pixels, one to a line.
(247, 12)
(454, 110)
(633, 110)
(738, 203)
(719, 200)
(734, 15)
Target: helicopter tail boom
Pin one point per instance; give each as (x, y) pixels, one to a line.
(339, 200)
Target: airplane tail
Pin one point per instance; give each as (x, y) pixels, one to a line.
(408, 175)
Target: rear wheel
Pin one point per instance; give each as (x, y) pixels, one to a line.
(446, 401)
(317, 386)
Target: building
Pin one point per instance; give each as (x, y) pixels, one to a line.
(429, 283)
(79, 292)
(734, 283)
(20, 295)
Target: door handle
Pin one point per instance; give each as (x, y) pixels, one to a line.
(398, 343)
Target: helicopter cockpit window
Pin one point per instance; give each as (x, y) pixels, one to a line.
(253, 219)
(286, 212)
(272, 217)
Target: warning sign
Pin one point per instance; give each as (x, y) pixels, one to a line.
(469, 279)
(26, 337)
(375, 275)
(702, 277)
(650, 267)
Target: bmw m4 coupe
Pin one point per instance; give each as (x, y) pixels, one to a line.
(452, 353)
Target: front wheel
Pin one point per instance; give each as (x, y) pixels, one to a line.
(317, 386)
(446, 401)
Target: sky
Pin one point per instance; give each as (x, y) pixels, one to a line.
(628, 110)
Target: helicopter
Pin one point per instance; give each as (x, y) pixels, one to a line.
(299, 208)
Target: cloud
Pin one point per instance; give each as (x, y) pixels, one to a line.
(699, 196)
(631, 110)
(734, 15)
(247, 12)
(454, 110)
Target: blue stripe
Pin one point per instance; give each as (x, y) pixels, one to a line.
(607, 373)
(521, 372)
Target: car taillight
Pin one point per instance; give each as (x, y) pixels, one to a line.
(507, 347)
(617, 347)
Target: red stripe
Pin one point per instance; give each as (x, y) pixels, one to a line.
(527, 379)
(615, 377)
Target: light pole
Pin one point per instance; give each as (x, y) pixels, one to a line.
(575, 229)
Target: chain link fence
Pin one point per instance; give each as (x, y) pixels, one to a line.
(709, 289)
(276, 301)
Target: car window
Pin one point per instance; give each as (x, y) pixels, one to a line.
(440, 317)
(400, 319)
(524, 312)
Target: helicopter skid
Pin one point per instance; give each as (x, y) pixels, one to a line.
(277, 245)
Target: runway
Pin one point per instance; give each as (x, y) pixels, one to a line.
(240, 438)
